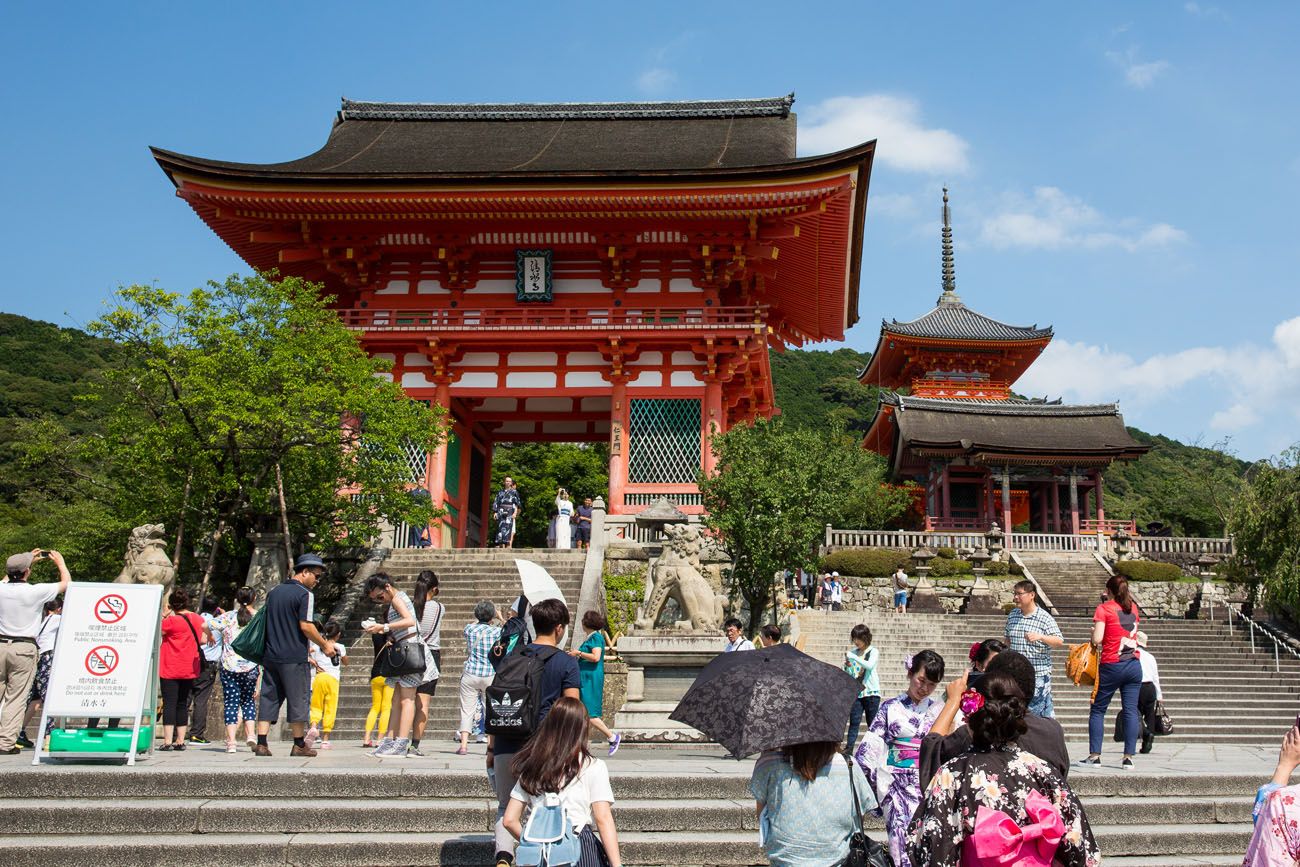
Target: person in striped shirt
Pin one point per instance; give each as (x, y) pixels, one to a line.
(477, 677)
(1033, 632)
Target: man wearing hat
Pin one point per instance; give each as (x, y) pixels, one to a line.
(22, 607)
(286, 674)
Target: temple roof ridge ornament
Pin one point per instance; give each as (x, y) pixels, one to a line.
(778, 106)
(949, 295)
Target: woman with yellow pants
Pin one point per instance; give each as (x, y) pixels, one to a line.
(381, 698)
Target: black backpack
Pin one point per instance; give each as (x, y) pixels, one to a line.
(514, 700)
(510, 640)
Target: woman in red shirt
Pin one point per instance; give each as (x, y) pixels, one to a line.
(178, 666)
(1114, 633)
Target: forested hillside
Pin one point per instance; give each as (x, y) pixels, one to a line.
(43, 367)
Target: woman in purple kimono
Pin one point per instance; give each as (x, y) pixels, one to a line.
(890, 750)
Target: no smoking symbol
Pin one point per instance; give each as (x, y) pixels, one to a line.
(110, 608)
(102, 660)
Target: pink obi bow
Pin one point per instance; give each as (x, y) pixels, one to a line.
(999, 842)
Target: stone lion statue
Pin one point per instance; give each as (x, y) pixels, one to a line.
(146, 559)
(677, 576)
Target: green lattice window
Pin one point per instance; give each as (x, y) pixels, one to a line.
(416, 460)
(663, 441)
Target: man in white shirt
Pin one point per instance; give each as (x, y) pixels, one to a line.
(736, 639)
(22, 608)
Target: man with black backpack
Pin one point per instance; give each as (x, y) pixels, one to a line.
(526, 684)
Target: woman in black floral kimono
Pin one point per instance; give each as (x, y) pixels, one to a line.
(998, 804)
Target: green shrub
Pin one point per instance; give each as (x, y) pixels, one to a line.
(623, 593)
(867, 562)
(950, 553)
(995, 568)
(945, 567)
(1145, 570)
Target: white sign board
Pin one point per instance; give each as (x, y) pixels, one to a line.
(103, 658)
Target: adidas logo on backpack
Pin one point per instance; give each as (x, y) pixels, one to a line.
(514, 698)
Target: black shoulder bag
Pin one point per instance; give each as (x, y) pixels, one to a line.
(863, 851)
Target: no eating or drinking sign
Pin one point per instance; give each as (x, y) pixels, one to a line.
(104, 655)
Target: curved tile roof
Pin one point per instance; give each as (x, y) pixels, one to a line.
(766, 107)
(955, 321)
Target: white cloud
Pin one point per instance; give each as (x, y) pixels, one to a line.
(904, 143)
(1196, 10)
(1240, 389)
(1137, 73)
(656, 80)
(1052, 219)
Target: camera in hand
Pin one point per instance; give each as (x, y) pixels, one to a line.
(336, 658)
(44, 555)
(973, 678)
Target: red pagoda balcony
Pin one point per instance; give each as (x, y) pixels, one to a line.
(573, 319)
(955, 525)
(961, 389)
(1108, 526)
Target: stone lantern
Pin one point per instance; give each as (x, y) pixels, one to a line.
(1123, 544)
(995, 540)
(922, 557)
(1206, 563)
(979, 558)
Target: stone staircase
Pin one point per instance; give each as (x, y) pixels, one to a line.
(465, 577)
(1215, 688)
(179, 812)
(1073, 580)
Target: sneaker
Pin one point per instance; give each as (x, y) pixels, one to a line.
(382, 749)
(12, 751)
(311, 737)
(261, 750)
(398, 749)
(614, 742)
(252, 743)
(481, 739)
(1127, 764)
(230, 747)
(302, 752)
(23, 741)
(1089, 761)
(198, 739)
(325, 745)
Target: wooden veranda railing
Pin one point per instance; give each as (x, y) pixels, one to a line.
(556, 319)
(1088, 542)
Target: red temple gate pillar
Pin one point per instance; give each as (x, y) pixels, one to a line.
(1074, 502)
(1056, 505)
(1101, 505)
(712, 418)
(946, 497)
(617, 444)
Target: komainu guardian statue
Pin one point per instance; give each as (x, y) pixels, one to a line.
(676, 574)
(146, 559)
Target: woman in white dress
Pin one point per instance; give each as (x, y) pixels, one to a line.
(564, 517)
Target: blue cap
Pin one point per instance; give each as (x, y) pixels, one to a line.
(306, 561)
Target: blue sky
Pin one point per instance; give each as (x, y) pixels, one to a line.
(1125, 172)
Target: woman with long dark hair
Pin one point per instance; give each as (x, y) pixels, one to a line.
(183, 635)
(891, 748)
(428, 618)
(399, 628)
(970, 806)
(556, 761)
(804, 796)
(238, 675)
(1114, 635)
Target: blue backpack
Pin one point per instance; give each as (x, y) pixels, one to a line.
(548, 839)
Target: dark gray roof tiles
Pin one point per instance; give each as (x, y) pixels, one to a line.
(767, 107)
(956, 321)
(1010, 407)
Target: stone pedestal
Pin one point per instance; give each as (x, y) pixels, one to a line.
(661, 666)
(267, 567)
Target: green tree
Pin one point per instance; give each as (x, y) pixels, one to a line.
(539, 469)
(776, 488)
(248, 405)
(1265, 524)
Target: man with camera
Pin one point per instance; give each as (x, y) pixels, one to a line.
(22, 606)
(286, 674)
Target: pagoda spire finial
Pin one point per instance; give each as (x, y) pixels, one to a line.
(949, 295)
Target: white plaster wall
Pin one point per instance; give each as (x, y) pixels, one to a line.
(527, 379)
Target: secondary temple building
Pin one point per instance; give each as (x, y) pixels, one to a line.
(564, 272)
(948, 420)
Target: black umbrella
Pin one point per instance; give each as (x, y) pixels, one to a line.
(755, 700)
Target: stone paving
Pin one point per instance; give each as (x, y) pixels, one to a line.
(1171, 759)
